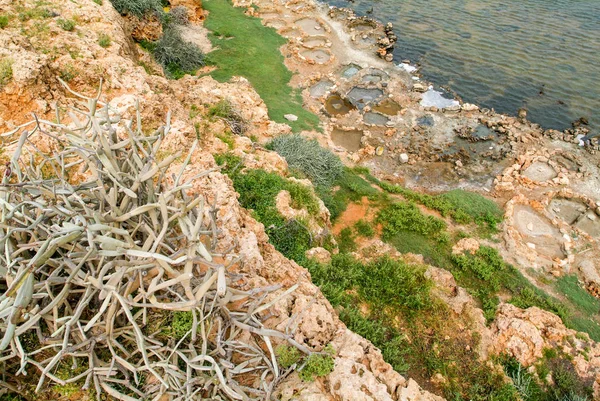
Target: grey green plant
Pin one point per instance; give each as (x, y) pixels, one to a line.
(93, 240)
(175, 55)
(320, 165)
(179, 15)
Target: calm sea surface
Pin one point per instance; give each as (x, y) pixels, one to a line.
(503, 54)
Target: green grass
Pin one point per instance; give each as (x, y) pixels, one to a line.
(104, 40)
(404, 216)
(349, 187)
(364, 229)
(583, 306)
(3, 21)
(66, 24)
(6, 71)
(258, 190)
(244, 47)
(462, 206)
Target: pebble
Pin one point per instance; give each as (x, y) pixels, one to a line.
(403, 158)
(530, 226)
(291, 117)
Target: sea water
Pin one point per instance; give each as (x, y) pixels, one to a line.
(543, 55)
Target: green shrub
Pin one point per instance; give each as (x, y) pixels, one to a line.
(177, 56)
(317, 365)
(3, 21)
(320, 165)
(392, 283)
(464, 207)
(230, 162)
(346, 241)
(6, 71)
(404, 216)
(104, 40)
(66, 24)
(288, 355)
(182, 323)
(99, 2)
(138, 7)
(364, 229)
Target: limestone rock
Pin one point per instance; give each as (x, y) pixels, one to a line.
(319, 254)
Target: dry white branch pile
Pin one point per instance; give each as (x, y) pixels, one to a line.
(85, 267)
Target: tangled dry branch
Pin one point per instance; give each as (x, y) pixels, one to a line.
(88, 263)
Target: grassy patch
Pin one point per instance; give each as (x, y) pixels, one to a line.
(66, 24)
(3, 21)
(364, 229)
(403, 216)
(374, 298)
(349, 187)
(244, 47)
(566, 384)
(258, 190)
(583, 306)
(104, 40)
(462, 206)
(6, 71)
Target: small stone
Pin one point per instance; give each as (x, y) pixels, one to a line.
(290, 117)
(379, 150)
(403, 158)
(530, 226)
(458, 163)
(531, 245)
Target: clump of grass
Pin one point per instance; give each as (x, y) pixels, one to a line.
(244, 47)
(177, 56)
(346, 240)
(3, 21)
(404, 216)
(227, 138)
(99, 2)
(137, 7)
(364, 229)
(68, 72)
(320, 165)
(104, 40)
(6, 71)
(312, 366)
(66, 24)
(225, 110)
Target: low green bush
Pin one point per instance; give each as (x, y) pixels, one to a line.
(364, 229)
(346, 240)
(404, 216)
(66, 24)
(315, 365)
(104, 40)
(182, 323)
(176, 56)
(3, 21)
